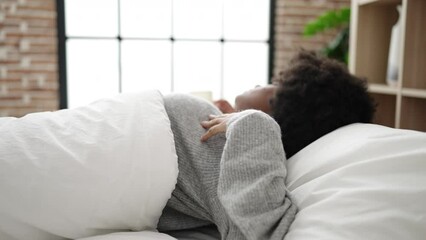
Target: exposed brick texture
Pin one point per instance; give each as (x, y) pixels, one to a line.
(28, 48)
(28, 57)
(290, 18)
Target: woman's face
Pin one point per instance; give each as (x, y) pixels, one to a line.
(256, 98)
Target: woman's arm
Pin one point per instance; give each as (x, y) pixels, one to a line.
(252, 176)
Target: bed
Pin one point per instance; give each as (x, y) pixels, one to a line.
(362, 181)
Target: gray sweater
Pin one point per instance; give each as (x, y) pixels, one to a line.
(236, 182)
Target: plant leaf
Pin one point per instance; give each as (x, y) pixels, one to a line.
(330, 19)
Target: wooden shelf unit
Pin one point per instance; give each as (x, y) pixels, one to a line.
(404, 105)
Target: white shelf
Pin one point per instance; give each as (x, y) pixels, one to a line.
(381, 88)
(411, 92)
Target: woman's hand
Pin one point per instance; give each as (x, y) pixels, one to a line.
(216, 124)
(224, 106)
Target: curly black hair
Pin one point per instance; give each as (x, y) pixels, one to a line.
(315, 96)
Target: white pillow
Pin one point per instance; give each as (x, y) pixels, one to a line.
(362, 181)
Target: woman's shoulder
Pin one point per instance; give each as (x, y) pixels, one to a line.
(188, 103)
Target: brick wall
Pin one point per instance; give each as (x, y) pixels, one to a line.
(28, 54)
(291, 17)
(28, 59)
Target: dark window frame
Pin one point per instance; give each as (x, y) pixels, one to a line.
(62, 39)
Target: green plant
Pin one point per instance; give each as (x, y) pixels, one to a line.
(335, 19)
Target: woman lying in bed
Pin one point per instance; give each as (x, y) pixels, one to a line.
(111, 166)
(236, 180)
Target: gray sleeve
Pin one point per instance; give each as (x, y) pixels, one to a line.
(252, 177)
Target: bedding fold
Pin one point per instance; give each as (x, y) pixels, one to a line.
(105, 167)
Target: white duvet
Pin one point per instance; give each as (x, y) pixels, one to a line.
(106, 167)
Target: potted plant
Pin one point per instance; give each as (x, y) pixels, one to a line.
(338, 48)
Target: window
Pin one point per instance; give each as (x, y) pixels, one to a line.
(112, 46)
